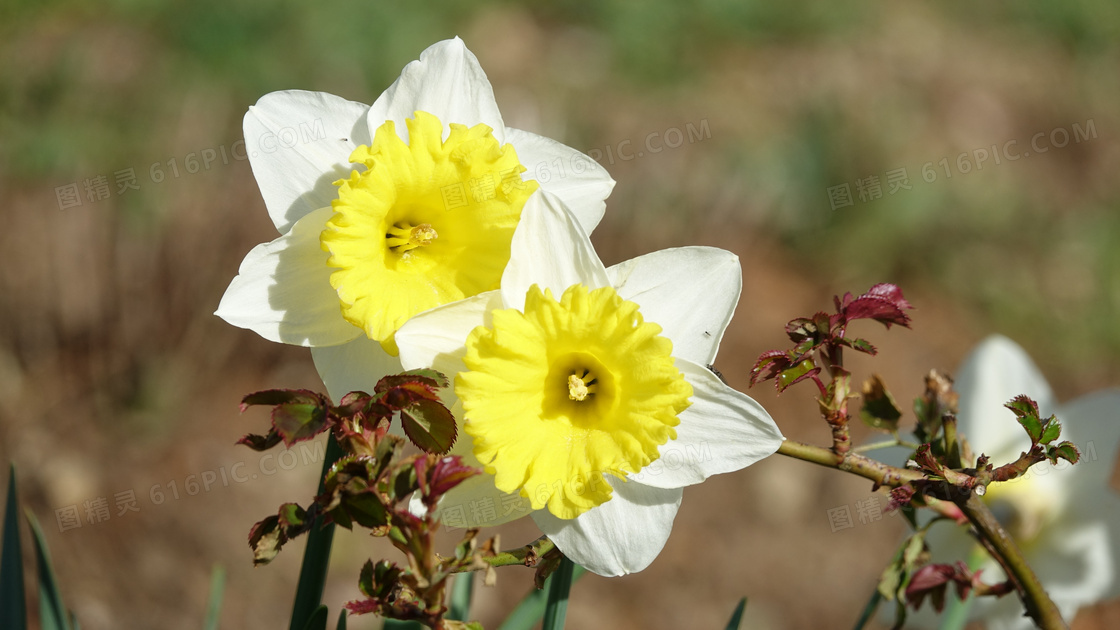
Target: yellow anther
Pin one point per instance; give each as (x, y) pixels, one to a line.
(402, 238)
(422, 234)
(577, 389)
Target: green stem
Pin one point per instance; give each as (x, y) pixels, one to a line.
(1037, 602)
(874, 446)
(869, 609)
(952, 443)
(854, 463)
(527, 555)
(316, 556)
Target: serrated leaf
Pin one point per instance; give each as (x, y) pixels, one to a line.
(261, 442)
(273, 397)
(878, 309)
(896, 577)
(737, 615)
(429, 425)
(435, 376)
(1066, 451)
(296, 422)
(1023, 405)
(1052, 430)
(801, 329)
(13, 607)
(429, 380)
(264, 539)
(879, 411)
(860, 345)
(795, 374)
(1026, 412)
(52, 612)
(768, 365)
(365, 579)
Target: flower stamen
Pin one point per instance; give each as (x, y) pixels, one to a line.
(402, 238)
(581, 385)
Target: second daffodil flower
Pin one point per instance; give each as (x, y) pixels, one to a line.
(388, 210)
(1065, 518)
(583, 391)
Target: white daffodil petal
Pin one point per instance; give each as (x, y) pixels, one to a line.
(1076, 559)
(1092, 423)
(691, 292)
(722, 431)
(446, 81)
(283, 291)
(575, 178)
(299, 143)
(435, 338)
(621, 536)
(994, 373)
(551, 250)
(354, 366)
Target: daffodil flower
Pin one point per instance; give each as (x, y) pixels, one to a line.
(388, 210)
(583, 393)
(1065, 517)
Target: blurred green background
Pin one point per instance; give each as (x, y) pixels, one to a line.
(115, 376)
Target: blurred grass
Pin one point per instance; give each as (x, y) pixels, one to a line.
(105, 326)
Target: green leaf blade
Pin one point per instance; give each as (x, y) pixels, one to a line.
(13, 605)
(52, 613)
(318, 619)
(461, 592)
(214, 602)
(737, 615)
(556, 608)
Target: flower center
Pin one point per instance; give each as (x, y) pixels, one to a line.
(402, 238)
(568, 391)
(425, 223)
(580, 386)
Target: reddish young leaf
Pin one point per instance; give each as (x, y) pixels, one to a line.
(796, 374)
(429, 425)
(296, 422)
(443, 475)
(273, 397)
(889, 292)
(261, 442)
(883, 303)
(769, 365)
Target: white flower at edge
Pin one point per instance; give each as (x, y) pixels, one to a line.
(690, 293)
(1065, 518)
(300, 144)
